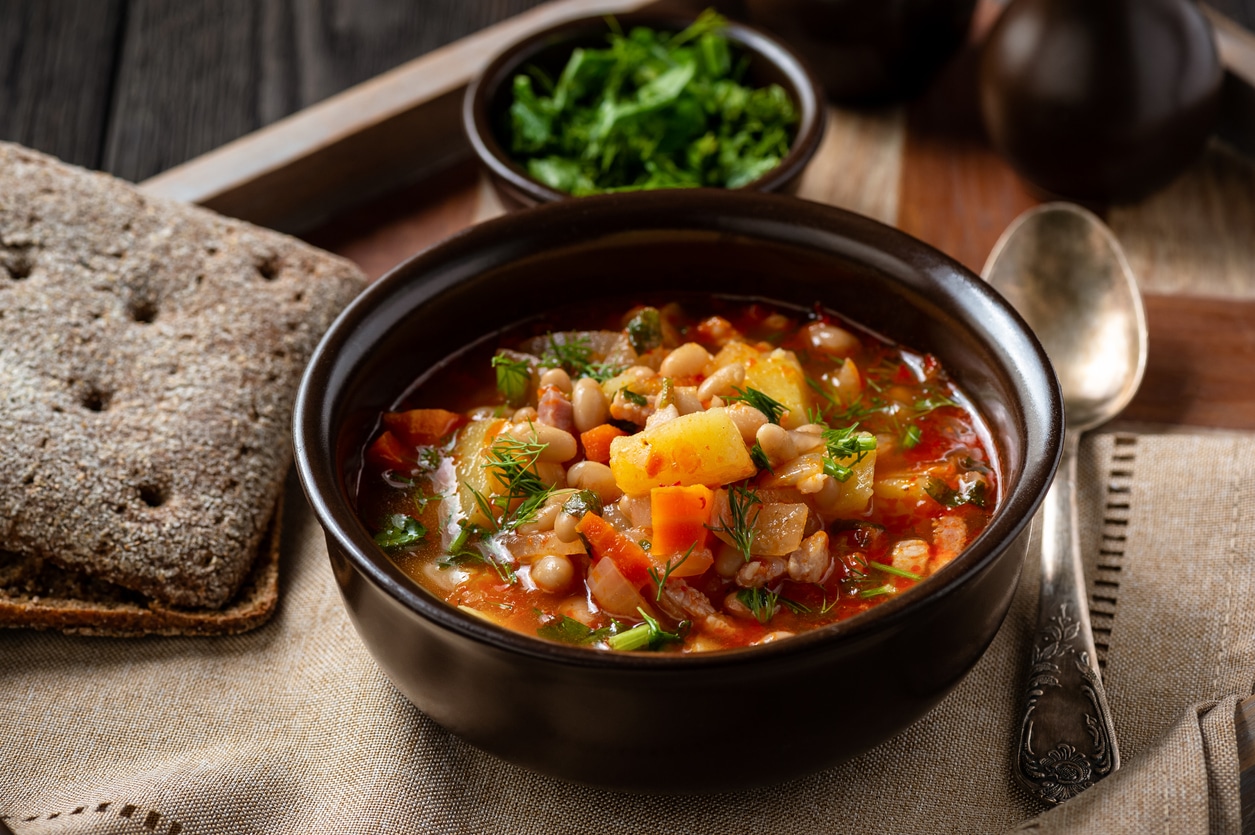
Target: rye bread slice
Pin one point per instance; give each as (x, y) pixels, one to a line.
(150, 353)
(38, 594)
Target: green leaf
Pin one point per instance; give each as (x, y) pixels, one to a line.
(644, 329)
(769, 406)
(514, 378)
(400, 531)
(570, 631)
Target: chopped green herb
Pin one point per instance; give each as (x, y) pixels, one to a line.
(763, 604)
(936, 401)
(759, 457)
(462, 551)
(900, 572)
(632, 397)
(841, 444)
(973, 493)
(571, 631)
(764, 403)
(660, 579)
(400, 531)
(572, 353)
(647, 635)
(582, 502)
(743, 509)
(514, 378)
(911, 437)
(887, 588)
(653, 110)
(644, 330)
(513, 463)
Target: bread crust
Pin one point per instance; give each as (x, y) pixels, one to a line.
(150, 354)
(40, 595)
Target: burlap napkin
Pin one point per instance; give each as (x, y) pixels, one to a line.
(293, 729)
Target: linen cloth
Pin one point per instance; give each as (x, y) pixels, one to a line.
(292, 728)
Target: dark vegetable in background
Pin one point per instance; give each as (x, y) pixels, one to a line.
(1103, 101)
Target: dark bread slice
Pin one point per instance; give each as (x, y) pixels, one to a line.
(150, 354)
(38, 594)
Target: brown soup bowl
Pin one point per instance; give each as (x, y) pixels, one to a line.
(487, 100)
(628, 720)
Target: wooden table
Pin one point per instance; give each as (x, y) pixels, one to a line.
(382, 170)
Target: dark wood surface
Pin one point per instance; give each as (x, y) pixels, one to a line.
(134, 87)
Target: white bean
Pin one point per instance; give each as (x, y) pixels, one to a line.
(559, 444)
(722, 381)
(564, 527)
(588, 404)
(595, 476)
(556, 377)
(686, 400)
(524, 415)
(552, 573)
(748, 420)
(776, 443)
(689, 360)
(830, 339)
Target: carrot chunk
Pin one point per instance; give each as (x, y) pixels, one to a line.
(680, 516)
(422, 427)
(387, 453)
(596, 442)
(607, 543)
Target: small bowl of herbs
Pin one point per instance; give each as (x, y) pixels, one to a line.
(640, 102)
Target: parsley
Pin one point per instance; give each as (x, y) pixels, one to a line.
(644, 330)
(766, 404)
(942, 493)
(743, 509)
(570, 631)
(653, 110)
(514, 378)
(400, 531)
(582, 502)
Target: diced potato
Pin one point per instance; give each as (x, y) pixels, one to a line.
(776, 374)
(854, 493)
(469, 451)
(778, 527)
(701, 448)
(901, 488)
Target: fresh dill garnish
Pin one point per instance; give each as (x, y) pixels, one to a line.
(764, 403)
(744, 506)
(841, 444)
(890, 569)
(928, 404)
(793, 606)
(660, 579)
(644, 330)
(572, 353)
(759, 457)
(633, 397)
(462, 551)
(814, 415)
(570, 631)
(400, 531)
(513, 463)
(827, 607)
(514, 378)
(648, 634)
(911, 437)
(845, 414)
(602, 371)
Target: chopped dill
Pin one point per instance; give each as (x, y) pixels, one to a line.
(660, 579)
(744, 506)
(633, 397)
(841, 444)
(764, 403)
(759, 457)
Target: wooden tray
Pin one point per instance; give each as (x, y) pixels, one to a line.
(383, 170)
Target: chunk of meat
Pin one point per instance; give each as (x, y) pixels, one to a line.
(911, 555)
(757, 573)
(811, 563)
(555, 409)
(949, 537)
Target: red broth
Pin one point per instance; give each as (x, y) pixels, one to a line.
(684, 477)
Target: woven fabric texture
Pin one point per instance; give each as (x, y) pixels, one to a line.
(293, 729)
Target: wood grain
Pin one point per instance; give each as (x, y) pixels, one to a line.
(56, 74)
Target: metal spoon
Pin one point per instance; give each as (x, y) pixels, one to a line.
(1065, 273)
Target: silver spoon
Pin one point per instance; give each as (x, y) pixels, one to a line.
(1065, 273)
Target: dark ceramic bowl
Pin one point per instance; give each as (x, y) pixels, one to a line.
(488, 98)
(624, 720)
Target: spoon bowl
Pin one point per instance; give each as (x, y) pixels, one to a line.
(1064, 272)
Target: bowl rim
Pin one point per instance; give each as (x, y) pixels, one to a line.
(874, 244)
(479, 131)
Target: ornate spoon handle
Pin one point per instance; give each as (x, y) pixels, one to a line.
(1067, 742)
